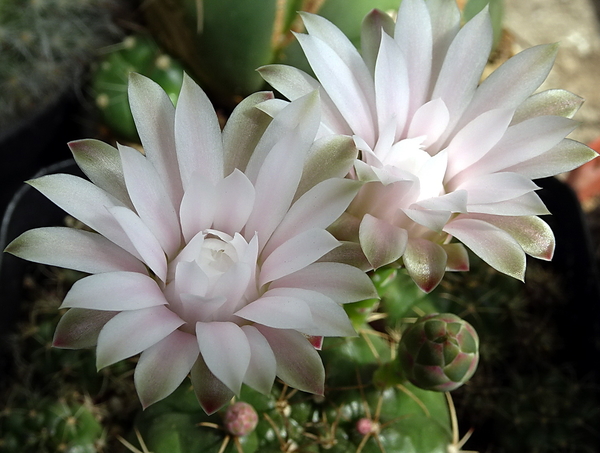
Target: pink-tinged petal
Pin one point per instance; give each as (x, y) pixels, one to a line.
(298, 364)
(527, 204)
(521, 142)
(445, 24)
(340, 282)
(73, 249)
(101, 163)
(225, 350)
(425, 263)
(198, 207)
(317, 208)
(162, 367)
(565, 156)
(114, 291)
(79, 328)
(297, 253)
(532, 233)
(476, 139)
(276, 165)
(278, 311)
(492, 244)
(351, 93)
(294, 83)
(89, 206)
(234, 202)
(328, 318)
(210, 391)
(391, 86)
(329, 157)
(151, 200)
(455, 201)
(510, 84)
(200, 309)
(243, 130)
(190, 278)
(382, 242)
(497, 187)
(145, 243)
(374, 24)
(130, 332)
(197, 135)
(434, 220)
(233, 284)
(154, 117)
(262, 369)
(458, 258)
(349, 253)
(413, 33)
(550, 102)
(475, 35)
(316, 342)
(302, 113)
(430, 120)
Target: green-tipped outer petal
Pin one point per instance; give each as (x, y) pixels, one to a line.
(425, 262)
(492, 244)
(550, 102)
(373, 25)
(101, 163)
(73, 249)
(79, 328)
(211, 392)
(329, 157)
(381, 242)
(243, 130)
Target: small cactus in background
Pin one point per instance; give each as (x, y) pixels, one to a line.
(136, 53)
(439, 352)
(44, 48)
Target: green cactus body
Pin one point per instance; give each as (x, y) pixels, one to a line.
(137, 53)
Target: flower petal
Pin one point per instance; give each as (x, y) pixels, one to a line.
(225, 350)
(328, 157)
(425, 262)
(234, 202)
(547, 103)
(145, 243)
(89, 206)
(298, 364)
(210, 391)
(532, 233)
(278, 311)
(317, 208)
(151, 201)
(79, 328)
(130, 332)
(296, 253)
(262, 368)
(530, 68)
(198, 207)
(127, 291)
(162, 367)
(101, 163)
(73, 249)
(340, 282)
(492, 244)
(243, 130)
(197, 135)
(154, 117)
(382, 242)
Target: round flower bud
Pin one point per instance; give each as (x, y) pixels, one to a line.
(240, 419)
(439, 352)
